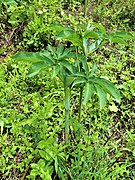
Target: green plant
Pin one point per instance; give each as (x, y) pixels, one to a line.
(75, 72)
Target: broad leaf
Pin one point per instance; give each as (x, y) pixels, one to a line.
(100, 27)
(94, 68)
(101, 95)
(55, 71)
(69, 80)
(51, 49)
(80, 74)
(66, 53)
(108, 87)
(85, 66)
(35, 68)
(70, 35)
(79, 80)
(58, 28)
(60, 50)
(122, 34)
(88, 92)
(46, 54)
(29, 57)
(95, 45)
(85, 45)
(67, 65)
(116, 39)
(91, 34)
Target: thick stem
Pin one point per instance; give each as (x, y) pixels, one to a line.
(67, 108)
(80, 104)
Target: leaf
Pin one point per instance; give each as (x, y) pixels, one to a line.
(46, 54)
(60, 50)
(29, 57)
(56, 71)
(85, 66)
(100, 27)
(58, 28)
(56, 164)
(35, 68)
(67, 65)
(88, 92)
(69, 80)
(67, 53)
(71, 36)
(95, 45)
(85, 45)
(118, 40)
(101, 95)
(123, 34)
(108, 87)
(79, 80)
(51, 48)
(80, 74)
(94, 68)
(91, 34)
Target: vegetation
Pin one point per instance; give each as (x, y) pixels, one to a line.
(100, 143)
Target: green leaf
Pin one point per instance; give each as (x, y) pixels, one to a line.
(100, 27)
(85, 45)
(123, 34)
(56, 71)
(69, 80)
(71, 36)
(108, 87)
(94, 68)
(66, 53)
(29, 57)
(101, 94)
(46, 54)
(95, 45)
(51, 48)
(85, 66)
(58, 28)
(88, 92)
(67, 65)
(60, 50)
(91, 34)
(56, 164)
(35, 68)
(118, 40)
(80, 74)
(79, 80)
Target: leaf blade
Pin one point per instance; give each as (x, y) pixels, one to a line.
(101, 95)
(88, 92)
(108, 87)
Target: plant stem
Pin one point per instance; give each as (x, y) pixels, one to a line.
(67, 108)
(80, 104)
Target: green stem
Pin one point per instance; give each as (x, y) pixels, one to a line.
(80, 104)
(67, 108)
